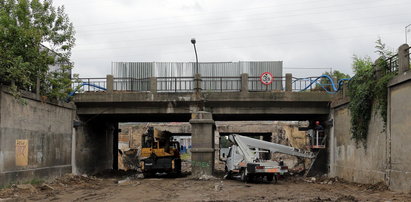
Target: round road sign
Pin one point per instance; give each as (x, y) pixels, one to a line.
(266, 78)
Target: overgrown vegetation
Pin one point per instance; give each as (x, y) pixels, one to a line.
(368, 88)
(326, 83)
(36, 41)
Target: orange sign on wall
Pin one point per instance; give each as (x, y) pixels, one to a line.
(22, 152)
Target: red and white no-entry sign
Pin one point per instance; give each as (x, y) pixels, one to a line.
(266, 78)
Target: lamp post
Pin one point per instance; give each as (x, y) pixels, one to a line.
(196, 74)
(406, 33)
(193, 41)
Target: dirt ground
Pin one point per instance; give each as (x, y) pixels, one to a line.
(130, 187)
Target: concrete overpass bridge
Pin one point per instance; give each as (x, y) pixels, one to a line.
(107, 101)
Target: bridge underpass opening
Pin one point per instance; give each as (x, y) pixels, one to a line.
(98, 140)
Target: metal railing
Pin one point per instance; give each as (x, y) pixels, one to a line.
(131, 84)
(186, 84)
(254, 84)
(392, 63)
(175, 84)
(89, 88)
(299, 84)
(221, 84)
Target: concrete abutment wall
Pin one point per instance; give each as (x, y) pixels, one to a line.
(386, 157)
(35, 138)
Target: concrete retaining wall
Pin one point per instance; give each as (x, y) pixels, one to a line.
(352, 161)
(386, 157)
(35, 139)
(399, 136)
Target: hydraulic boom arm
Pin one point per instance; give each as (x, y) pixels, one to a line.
(246, 142)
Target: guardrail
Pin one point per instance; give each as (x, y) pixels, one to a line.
(221, 84)
(254, 84)
(187, 84)
(175, 84)
(101, 82)
(131, 84)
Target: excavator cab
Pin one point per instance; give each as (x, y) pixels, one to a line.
(159, 153)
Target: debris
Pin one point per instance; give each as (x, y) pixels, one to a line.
(346, 198)
(318, 199)
(206, 177)
(10, 199)
(124, 181)
(46, 186)
(313, 179)
(218, 187)
(139, 176)
(29, 187)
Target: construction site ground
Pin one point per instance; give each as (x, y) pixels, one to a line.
(130, 186)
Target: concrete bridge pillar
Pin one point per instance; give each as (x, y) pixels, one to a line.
(96, 146)
(403, 58)
(244, 83)
(202, 137)
(110, 83)
(153, 85)
(288, 82)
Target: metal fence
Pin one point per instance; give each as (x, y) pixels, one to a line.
(299, 84)
(254, 84)
(393, 63)
(186, 84)
(78, 84)
(131, 84)
(175, 84)
(221, 84)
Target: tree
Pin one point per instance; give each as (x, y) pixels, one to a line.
(335, 75)
(34, 37)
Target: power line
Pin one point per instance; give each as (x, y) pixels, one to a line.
(145, 39)
(220, 21)
(251, 46)
(233, 38)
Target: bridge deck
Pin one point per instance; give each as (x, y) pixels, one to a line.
(145, 106)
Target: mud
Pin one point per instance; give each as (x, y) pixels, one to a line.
(127, 186)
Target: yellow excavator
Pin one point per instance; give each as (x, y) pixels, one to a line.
(159, 154)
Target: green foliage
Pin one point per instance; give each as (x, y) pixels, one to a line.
(366, 88)
(336, 75)
(35, 36)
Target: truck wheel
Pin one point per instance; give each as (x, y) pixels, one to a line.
(270, 178)
(244, 175)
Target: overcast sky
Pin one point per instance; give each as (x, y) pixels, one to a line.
(305, 34)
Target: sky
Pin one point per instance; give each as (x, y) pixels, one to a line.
(309, 36)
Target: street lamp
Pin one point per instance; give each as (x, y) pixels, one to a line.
(193, 41)
(406, 33)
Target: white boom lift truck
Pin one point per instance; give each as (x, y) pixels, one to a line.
(243, 158)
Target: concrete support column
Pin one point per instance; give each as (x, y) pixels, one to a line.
(94, 146)
(197, 83)
(344, 89)
(288, 82)
(244, 83)
(403, 58)
(202, 137)
(153, 85)
(110, 83)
